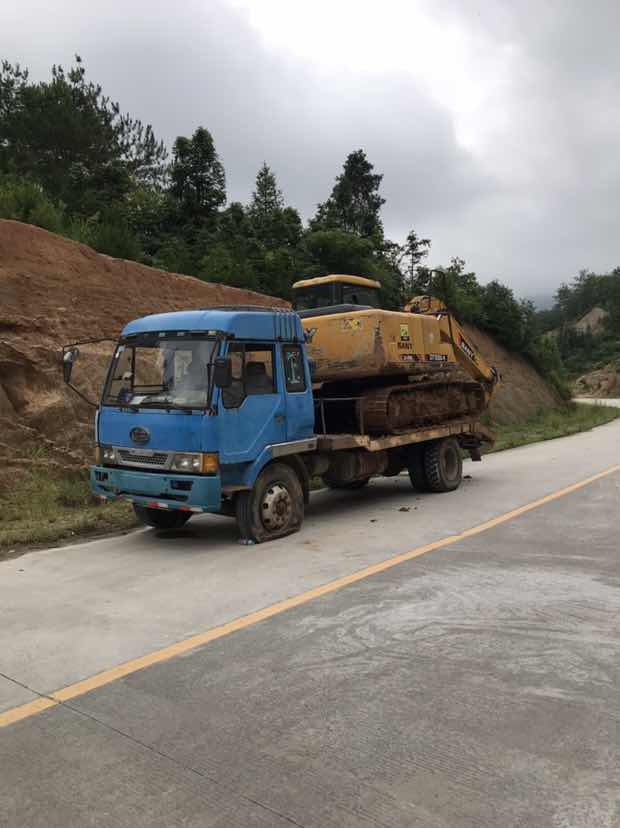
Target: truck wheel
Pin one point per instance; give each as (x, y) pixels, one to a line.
(275, 506)
(415, 467)
(443, 465)
(351, 486)
(161, 518)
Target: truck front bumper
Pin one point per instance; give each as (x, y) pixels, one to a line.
(187, 492)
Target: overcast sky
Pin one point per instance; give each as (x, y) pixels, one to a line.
(496, 123)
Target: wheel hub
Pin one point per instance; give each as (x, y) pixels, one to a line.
(276, 507)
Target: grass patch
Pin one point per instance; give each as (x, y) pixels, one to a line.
(551, 423)
(43, 508)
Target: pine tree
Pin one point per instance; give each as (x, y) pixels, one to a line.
(197, 176)
(266, 198)
(354, 204)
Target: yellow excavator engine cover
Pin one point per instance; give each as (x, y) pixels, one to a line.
(373, 342)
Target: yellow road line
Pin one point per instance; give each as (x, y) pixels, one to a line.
(107, 676)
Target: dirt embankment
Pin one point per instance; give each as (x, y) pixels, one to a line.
(54, 291)
(523, 392)
(602, 382)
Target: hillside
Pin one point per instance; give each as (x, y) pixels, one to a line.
(601, 382)
(523, 392)
(55, 291)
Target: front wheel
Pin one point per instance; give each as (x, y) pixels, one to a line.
(273, 508)
(161, 518)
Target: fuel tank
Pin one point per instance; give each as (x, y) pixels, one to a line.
(373, 342)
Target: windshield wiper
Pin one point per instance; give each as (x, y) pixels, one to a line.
(167, 405)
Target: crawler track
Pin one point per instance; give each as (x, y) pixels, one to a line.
(400, 407)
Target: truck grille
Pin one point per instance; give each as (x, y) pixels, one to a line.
(156, 459)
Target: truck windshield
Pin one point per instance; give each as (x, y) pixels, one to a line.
(168, 370)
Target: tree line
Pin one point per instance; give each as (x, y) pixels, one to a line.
(73, 163)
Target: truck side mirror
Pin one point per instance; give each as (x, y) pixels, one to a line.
(69, 357)
(222, 372)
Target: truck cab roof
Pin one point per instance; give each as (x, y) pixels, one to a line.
(241, 322)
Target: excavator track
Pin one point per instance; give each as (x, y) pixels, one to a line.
(398, 408)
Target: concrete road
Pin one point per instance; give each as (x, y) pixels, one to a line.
(474, 683)
(609, 401)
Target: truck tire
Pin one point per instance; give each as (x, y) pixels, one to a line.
(273, 508)
(161, 518)
(415, 467)
(351, 486)
(443, 465)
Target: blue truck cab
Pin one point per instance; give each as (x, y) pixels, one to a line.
(197, 405)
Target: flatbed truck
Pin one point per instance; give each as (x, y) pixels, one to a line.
(215, 411)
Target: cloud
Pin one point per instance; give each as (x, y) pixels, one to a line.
(497, 133)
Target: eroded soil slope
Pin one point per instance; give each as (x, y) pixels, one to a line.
(601, 382)
(523, 391)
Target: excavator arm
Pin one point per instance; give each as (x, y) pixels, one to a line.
(466, 352)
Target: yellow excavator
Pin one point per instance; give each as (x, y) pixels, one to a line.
(388, 371)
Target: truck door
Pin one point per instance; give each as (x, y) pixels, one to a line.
(252, 410)
(299, 405)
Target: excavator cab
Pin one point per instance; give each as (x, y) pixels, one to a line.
(336, 293)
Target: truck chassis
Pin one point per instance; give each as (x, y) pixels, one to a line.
(433, 458)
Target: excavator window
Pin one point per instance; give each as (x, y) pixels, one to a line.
(360, 295)
(336, 293)
(317, 296)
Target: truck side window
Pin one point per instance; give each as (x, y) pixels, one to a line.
(258, 369)
(294, 368)
(252, 372)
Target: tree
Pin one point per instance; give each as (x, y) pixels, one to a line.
(273, 224)
(503, 316)
(24, 200)
(354, 205)
(266, 198)
(414, 250)
(198, 181)
(69, 137)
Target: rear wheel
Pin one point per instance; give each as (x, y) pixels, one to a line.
(415, 467)
(443, 465)
(273, 508)
(161, 518)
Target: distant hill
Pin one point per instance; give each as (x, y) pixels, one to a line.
(592, 322)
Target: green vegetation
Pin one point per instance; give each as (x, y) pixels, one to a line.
(44, 508)
(552, 422)
(582, 351)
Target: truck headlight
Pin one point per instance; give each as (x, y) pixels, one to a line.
(105, 455)
(186, 463)
(195, 463)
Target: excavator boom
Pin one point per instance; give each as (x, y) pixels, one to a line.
(466, 351)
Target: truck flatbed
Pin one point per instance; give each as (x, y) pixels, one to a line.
(454, 428)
